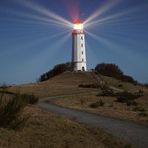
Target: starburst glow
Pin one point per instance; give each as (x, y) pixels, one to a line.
(78, 25)
(108, 28)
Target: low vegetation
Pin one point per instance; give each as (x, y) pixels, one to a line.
(44, 130)
(58, 69)
(89, 85)
(11, 108)
(97, 104)
(112, 70)
(109, 102)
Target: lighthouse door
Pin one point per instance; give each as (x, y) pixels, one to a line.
(83, 69)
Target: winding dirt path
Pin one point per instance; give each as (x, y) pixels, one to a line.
(135, 134)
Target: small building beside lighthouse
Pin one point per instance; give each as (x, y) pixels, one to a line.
(78, 47)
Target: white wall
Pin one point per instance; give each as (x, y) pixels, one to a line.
(79, 51)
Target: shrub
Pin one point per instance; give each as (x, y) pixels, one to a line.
(58, 69)
(10, 112)
(145, 85)
(112, 70)
(120, 85)
(29, 99)
(138, 108)
(125, 97)
(106, 91)
(89, 85)
(143, 114)
(129, 103)
(97, 104)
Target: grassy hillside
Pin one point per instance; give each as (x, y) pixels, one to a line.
(45, 130)
(82, 97)
(123, 85)
(66, 83)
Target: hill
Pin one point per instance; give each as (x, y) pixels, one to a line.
(94, 93)
(86, 91)
(68, 83)
(63, 84)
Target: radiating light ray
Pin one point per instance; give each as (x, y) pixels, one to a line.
(122, 22)
(92, 55)
(40, 40)
(24, 21)
(104, 20)
(115, 47)
(116, 16)
(21, 14)
(45, 39)
(103, 40)
(39, 60)
(101, 10)
(49, 52)
(31, 17)
(45, 12)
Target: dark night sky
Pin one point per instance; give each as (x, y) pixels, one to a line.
(30, 46)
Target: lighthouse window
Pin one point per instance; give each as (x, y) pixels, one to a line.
(81, 45)
(82, 60)
(81, 38)
(82, 52)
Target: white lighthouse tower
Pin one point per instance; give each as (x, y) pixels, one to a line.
(78, 47)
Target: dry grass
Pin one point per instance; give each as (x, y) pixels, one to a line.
(111, 108)
(45, 130)
(124, 85)
(66, 83)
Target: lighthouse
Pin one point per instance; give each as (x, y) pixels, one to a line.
(78, 47)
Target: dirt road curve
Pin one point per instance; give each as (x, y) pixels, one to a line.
(133, 133)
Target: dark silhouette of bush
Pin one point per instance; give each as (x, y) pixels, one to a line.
(58, 69)
(106, 91)
(128, 98)
(89, 85)
(29, 99)
(129, 79)
(112, 70)
(97, 104)
(145, 85)
(11, 110)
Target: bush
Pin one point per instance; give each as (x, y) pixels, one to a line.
(97, 104)
(140, 109)
(112, 70)
(58, 69)
(106, 91)
(120, 85)
(145, 85)
(29, 99)
(10, 112)
(143, 114)
(89, 85)
(125, 97)
(129, 103)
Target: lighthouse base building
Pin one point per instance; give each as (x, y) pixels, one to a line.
(78, 47)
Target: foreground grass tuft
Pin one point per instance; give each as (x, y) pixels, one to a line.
(97, 104)
(11, 110)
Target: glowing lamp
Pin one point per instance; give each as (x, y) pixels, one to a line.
(78, 47)
(78, 25)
